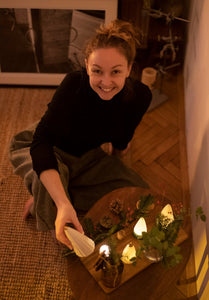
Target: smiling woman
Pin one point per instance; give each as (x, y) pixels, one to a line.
(107, 69)
(69, 171)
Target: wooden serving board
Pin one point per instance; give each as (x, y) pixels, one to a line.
(129, 195)
(130, 270)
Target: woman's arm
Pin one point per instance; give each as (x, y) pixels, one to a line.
(65, 211)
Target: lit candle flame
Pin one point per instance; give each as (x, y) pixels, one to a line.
(104, 249)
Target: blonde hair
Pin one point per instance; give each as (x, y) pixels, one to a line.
(118, 34)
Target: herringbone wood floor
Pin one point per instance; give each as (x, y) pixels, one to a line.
(156, 144)
(158, 153)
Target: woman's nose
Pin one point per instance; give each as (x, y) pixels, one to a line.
(106, 79)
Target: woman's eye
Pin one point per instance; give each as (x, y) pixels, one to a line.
(116, 71)
(96, 71)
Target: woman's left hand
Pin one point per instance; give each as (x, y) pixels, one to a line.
(107, 147)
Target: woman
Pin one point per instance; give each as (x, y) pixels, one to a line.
(91, 108)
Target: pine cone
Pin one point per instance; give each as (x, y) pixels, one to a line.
(106, 222)
(116, 206)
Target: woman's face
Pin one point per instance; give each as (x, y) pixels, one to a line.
(107, 69)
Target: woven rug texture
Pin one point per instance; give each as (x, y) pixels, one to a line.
(31, 263)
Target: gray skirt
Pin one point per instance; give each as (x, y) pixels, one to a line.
(85, 179)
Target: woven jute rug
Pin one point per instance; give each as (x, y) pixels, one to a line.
(31, 263)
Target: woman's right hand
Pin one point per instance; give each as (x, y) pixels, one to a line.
(65, 211)
(66, 214)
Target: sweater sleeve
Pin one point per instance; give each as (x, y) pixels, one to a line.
(51, 126)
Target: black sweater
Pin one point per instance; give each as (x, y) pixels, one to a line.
(78, 120)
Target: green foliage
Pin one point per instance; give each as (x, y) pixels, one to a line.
(145, 202)
(99, 233)
(114, 256)
(200, 214)
(162, 237)
(67, 252)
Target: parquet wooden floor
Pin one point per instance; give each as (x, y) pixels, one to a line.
(158, 154)
(156, 146)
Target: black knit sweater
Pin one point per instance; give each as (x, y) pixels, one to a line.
(78, 120)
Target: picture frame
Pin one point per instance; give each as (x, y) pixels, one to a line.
(41, 39)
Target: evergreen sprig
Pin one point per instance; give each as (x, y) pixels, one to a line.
(98, 233)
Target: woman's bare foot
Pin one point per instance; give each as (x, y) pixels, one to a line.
(27, 208)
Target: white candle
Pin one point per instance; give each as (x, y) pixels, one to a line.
(140, 227)
(128, 253)
(104, 249)
(167, 212)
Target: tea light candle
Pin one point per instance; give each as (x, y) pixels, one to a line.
(140, 227)
(167, 212)
(104, 249)
(128, 253)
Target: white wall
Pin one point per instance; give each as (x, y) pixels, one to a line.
(196, 72)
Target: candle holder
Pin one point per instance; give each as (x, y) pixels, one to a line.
(128, 254)
(140, 227)
(110, 264)
(167, 215)
(153, 255)
(112, 274)
(159, 243)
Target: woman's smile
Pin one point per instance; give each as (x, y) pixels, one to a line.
(106, 89)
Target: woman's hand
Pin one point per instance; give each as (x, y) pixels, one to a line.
(66, 214)
(65, 211)
(107, 147)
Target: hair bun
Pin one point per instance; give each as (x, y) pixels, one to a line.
(120, 29)
(117, 34)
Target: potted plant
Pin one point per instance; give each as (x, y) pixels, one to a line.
(158, 244)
